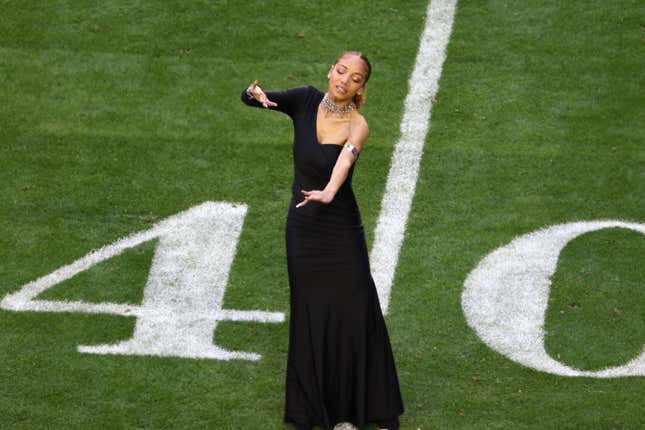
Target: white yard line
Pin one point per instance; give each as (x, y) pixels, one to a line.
(406, 158)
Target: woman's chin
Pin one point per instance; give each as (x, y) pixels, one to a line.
(339, 98)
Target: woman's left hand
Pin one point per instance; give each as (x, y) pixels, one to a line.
(316, 195)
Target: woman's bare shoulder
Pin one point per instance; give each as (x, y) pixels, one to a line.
(359, 130)
(359, 121)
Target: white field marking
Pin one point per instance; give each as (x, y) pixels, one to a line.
(505, 298)
(404, 167)
(183, 296)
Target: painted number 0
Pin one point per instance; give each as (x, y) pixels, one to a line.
(506, 295)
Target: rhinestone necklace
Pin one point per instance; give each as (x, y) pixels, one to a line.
(330, 106)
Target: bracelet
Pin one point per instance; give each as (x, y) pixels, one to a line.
(351, 148)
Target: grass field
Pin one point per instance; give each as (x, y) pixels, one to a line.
(116, 115)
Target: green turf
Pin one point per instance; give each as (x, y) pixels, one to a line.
(597, 297)
(118, 280)
(116, 115)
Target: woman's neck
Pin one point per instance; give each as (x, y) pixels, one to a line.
(342, 109)
(339, 102)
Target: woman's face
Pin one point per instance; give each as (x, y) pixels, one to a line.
(346, 78)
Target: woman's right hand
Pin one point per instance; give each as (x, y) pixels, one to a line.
(260, 96)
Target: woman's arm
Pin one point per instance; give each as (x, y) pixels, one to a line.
(357, 136)
(283, 101)
(254, 92)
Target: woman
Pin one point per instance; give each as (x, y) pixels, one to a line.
(340, 367)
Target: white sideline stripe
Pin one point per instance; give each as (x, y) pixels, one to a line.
(406, 158)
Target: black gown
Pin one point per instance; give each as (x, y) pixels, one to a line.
(340, 366)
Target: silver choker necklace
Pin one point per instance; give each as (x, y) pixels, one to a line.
(331, 107)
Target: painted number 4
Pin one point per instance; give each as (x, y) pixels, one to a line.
(182, 299)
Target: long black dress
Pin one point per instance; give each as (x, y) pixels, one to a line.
(340, 365)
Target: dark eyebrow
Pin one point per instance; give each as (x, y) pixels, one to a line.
(356, 73)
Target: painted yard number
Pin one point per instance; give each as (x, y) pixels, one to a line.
(182, 299)
(504, 298)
